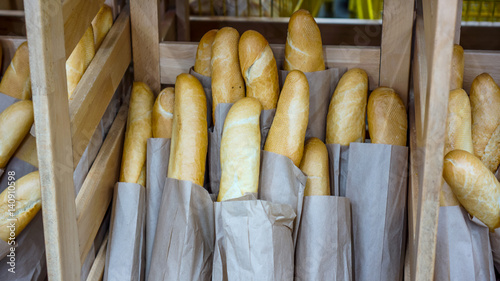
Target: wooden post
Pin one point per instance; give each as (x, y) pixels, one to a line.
(145, 42)
(183, 26)
(45, 29)
(397, 29)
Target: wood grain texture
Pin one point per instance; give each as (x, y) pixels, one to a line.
(78, 15)
(439, 17)
(145, 40)
(477, 62)
(395, 49)
(95, 195)
(98, 84)
(178, 57)
(97, 270)
(47, 57)
(183, 22)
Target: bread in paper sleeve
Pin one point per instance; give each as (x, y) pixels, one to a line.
(163, 114)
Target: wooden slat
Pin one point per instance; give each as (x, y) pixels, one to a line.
(12, 13)
(419, 78)
(397, 29)
(145, 40)
(177, 58)
(183, 24)
(27, 150)
(477, 62)
(78, 15)
(94, 197)
(97, 270)
(50, 102)
(439, 24)
(98, 84)
(167, 27)
(458, 23)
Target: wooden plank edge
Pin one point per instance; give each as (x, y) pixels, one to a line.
(97, 270)
(96, 192)
(98, 84)
(167, 27)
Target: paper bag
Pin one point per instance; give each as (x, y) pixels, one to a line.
(184, 240)
(125, 252)
(338, 160)
(322, 84)
(29, 254)
(157, 167)
(282, 182)
(495, 247)
(324, 246)
(253, 241)
(206, 82)
(462, 249)
(377, 185)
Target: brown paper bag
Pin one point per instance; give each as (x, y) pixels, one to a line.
(29, 254)
(206, 82)
(324, 246)
(462, 249)
(125, 252)
(322, 84)
(338, 160)
(184, 239)
(253, 241)
(376, 185)
(282, 182)
(157, 167)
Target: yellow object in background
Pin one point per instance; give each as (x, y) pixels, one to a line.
(366, 9)
(485, 10)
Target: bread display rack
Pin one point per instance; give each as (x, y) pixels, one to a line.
(64, 129)
(437, 29)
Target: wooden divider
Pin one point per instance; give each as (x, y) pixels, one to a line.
(97, 270)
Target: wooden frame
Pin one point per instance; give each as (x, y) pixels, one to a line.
(437, 28)
(64, 128)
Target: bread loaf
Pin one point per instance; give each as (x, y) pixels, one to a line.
(345, 122)
(315, 165)
(28, 201)
(303, 49)
(202, 64)
(485, 105)
(15, 123)
(16, 80)
(288, 130)
(79, 60)
(188, 146)
(259, 69)
(457, 68)
(227, 82)
(240, 150)
(137, 133)
(163, 114)
(475, 186)
(387, 121)
(458, 135)
(101, 24)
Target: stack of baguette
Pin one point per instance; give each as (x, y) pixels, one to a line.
(472, 147)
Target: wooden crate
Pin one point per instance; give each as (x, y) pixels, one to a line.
(64, 128)
(437, 28)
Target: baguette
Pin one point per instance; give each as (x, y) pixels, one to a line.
(28, 201)
(345, 122)
(101, 24)
(16, 80)
(475, 186)
(457, 68)
(485, 105)
(202, 64)
(303, 49)
(189, 143)
(387, 122)
(259, 69)
(227, 83)
(79, 60)
(15, 123)
(458, 136)
(240, 150)
(288, 130)
(137, 133)
(315, 165)
(163, 114)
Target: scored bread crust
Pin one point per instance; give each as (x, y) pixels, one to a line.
(303, 48)
(101, 24)
(457, 68)
(315, 165)
(485, 105)
(240, 150)
(79, 60)
(202, 64)
(16, 80)
(259, 69)
(288, 130)
(163, 113)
